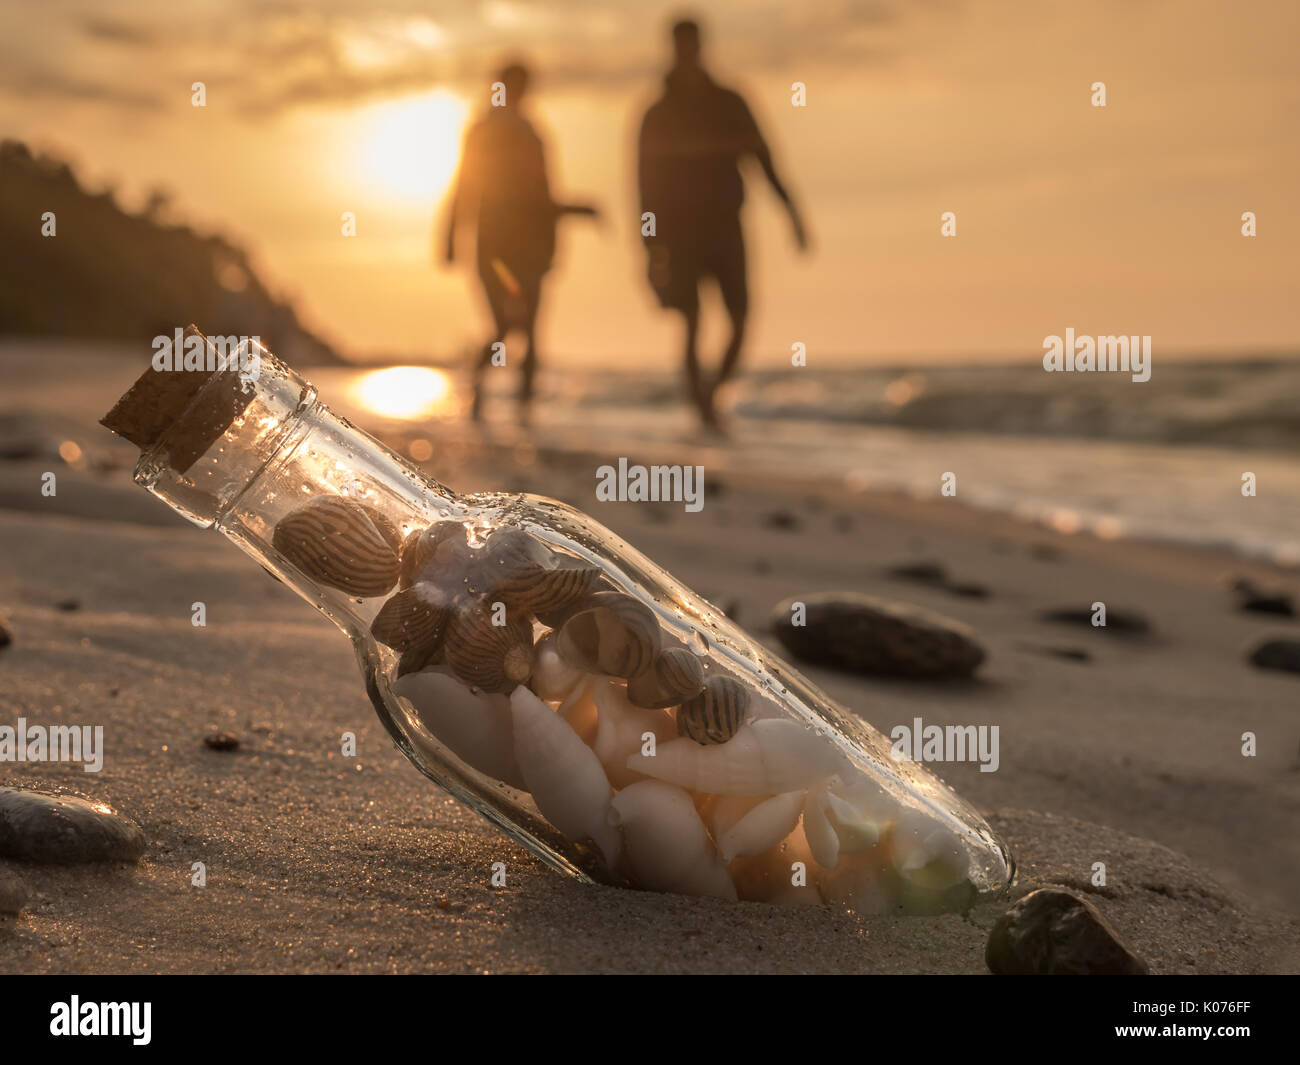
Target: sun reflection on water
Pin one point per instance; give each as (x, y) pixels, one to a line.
(407, 392)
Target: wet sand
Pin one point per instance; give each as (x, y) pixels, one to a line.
(1131, 757)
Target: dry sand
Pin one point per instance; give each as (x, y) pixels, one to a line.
(320, 863)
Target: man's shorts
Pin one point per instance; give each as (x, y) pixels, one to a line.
(681, 255)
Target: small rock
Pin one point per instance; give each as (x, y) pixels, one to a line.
(14, 892)
(1055, 933)
(68, 605)
(785, 520)
(1254, 600)
(968, 589)
(1072, 654)
(59, 830)
(6, 637)
(221, 741)
(863, 634)
(1277, 654)
(1125, 622)
(919, 572)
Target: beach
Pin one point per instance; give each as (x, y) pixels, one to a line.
(1118, 748)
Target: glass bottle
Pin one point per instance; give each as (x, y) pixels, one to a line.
(548, 674)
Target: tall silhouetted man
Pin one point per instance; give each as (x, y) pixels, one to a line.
(692, 140)
(502, 187)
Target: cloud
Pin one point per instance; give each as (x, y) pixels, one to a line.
(51, 85)
(116, 32)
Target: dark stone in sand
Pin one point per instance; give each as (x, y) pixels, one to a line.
(61, 830)
(68, 605)
(1277, 654)
(969, 590)
(863, 634)
(1125, 622)
(221, 741)
(5, 638)
(14, 892)
(1254, 600)
(1055, 933)
(785, 520)
(920, 572)
(1073, 654)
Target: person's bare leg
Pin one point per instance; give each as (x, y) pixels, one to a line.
(694, 376)
(480, 367)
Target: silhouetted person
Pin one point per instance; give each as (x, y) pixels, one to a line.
(502, 187)
(692, 140)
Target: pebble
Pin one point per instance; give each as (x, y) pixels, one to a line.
(60, 830)
(14, 892)
(1277, 654)
(1056, 933)
(1254, 600)
(221, 741)
(68, 605)
(6, 638)
(879, 637)
(785, 520)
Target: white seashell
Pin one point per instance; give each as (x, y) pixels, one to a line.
(926, 851)
(763, 758)
(566, 780)
(817, 827)
(621, 728)
(667, 845)
(554, 680)
(762, 827)
(579, 710)
(722, 813)
(855, 830)
(476, 727)
(770, 876)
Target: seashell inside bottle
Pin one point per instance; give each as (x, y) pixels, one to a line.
(553, 678)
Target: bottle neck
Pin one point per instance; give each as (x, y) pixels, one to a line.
(282, 451)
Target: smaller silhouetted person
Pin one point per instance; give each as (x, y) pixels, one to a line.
(502, 187)
(691, 143)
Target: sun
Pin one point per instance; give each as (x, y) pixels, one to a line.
(403, 391)
(411, 146)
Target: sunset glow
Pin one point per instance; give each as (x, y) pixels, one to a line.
(410, 146)
(402, 391)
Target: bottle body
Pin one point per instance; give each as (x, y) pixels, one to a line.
(563, 686)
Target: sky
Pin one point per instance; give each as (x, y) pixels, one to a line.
(1117, 220)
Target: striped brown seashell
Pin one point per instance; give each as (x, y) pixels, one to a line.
(493, 658)
(341, 543)
(616, 635)
(548, 590)
(716, 713)
(510, 554)
(556, 616)
(419, 658)
(412, 618)
(420, 549)
(674, 678)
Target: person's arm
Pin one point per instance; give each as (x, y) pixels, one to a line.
(464, 194)
(759, 149)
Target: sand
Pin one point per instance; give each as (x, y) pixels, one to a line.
(319, 863)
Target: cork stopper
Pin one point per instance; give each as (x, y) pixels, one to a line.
(178, 404)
